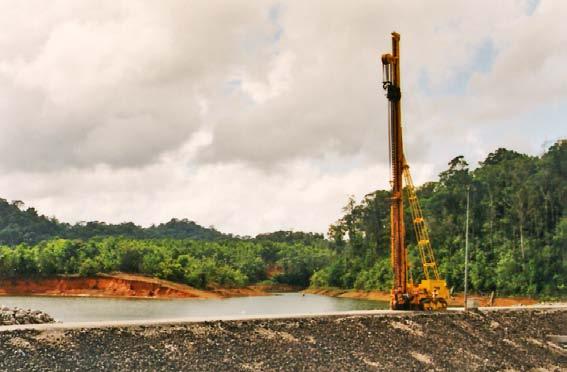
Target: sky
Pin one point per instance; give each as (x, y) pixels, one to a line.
(255, 116)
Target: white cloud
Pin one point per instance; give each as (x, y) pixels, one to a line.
(233, 197)
(254, 116)
(274, 83)
(115, 74)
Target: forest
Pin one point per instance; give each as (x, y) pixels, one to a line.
(202, 264)
(517, 231)
(518, 228)
(24, 225)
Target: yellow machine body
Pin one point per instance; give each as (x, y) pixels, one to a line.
(430, 294)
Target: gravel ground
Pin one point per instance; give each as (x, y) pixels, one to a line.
(492, 340)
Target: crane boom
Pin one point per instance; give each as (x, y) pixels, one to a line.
(428, 262)
(431, 293)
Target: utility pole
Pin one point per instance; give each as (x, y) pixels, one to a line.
(467, 248)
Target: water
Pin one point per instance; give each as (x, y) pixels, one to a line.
(84, 309)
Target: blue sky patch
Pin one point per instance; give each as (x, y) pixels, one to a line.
(481, 62)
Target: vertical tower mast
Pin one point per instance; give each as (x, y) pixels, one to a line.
(391, 65)
(432, 292)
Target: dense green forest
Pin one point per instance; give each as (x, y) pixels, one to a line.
(227, 263)
(25, 225)
(518, 238)
(518, 227)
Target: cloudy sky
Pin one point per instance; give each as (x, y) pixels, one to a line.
(254, 116)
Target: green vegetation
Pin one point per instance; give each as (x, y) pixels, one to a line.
(518, 228)
(518, 238)
(19, 225)
(202, 264)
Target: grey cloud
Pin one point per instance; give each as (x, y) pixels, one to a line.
(143, 110)
(122, 83)
(114, 83)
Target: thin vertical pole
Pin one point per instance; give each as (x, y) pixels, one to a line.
(467, 248)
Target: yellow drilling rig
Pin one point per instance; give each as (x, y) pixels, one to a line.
(431, 293)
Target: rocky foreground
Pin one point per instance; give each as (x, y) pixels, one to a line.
(491, 340)
(12, 316)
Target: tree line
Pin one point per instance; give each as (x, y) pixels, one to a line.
(518, 238)
(24, 225)
(199, 263)
(518, 228)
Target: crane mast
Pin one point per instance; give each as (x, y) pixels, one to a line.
(431, 293)
(398, 252)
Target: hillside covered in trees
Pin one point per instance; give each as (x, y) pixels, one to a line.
(518, 227)
(518, 238)
(24, 225)
(202, 264)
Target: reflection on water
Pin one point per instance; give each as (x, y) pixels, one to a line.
(80, 309)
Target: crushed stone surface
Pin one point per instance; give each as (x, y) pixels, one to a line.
(475, 341)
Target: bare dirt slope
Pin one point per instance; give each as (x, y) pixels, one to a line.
(115, 285)
(491, 340)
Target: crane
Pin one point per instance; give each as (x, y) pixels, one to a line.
(431, 293)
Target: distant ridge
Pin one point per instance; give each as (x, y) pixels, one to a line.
(25, 225)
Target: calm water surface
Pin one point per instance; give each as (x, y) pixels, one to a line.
(79, 309)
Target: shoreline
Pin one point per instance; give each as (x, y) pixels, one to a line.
(133, 286)
(455, 301)
(136, 323)
(122, 285)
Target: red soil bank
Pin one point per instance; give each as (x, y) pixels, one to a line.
(116, 285)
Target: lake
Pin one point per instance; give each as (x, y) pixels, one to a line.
(85, 309)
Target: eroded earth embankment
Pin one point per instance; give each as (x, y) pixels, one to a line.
(490, 340)
(117, 285)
